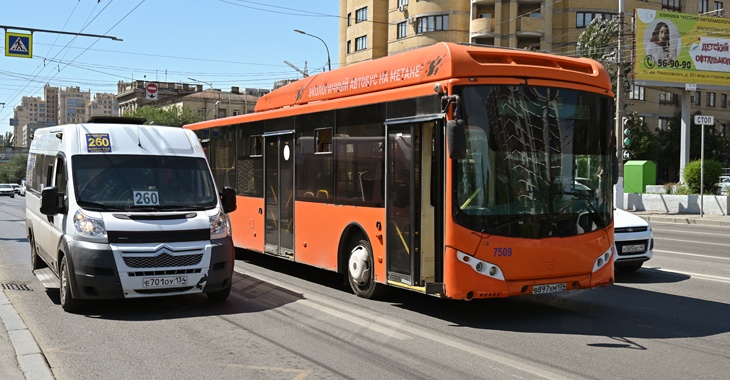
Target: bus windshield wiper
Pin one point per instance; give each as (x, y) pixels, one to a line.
(589, 205)
(495, 227)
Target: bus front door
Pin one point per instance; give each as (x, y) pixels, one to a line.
(279, 166)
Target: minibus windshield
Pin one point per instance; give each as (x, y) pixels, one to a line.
(140, 182)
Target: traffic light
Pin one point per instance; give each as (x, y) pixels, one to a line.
(627, 132)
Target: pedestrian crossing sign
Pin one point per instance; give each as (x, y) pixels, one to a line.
(18, 45)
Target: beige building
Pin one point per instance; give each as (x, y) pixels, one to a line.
(104, 104)
(371, 29)
(32, 111)
(208, 104)
(72, 105)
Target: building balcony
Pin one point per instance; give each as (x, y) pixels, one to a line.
(481, 27)
(483, 2)
(530, 26)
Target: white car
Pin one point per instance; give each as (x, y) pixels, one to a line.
(7, 190)
(723, 187)
(634, 241)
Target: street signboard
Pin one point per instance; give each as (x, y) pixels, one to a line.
(18, 45)
(704, 120)
(152, 91)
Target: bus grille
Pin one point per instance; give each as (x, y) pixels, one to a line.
(163, 260)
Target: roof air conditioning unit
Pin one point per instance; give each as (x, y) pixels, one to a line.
(402, 7)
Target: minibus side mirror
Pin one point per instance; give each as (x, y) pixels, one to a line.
(52, 202)
(228, 199)
(456, 134)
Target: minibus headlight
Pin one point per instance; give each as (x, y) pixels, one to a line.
(220, 226)
(88, 226)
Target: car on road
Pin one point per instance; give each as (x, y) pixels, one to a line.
(16, 188)
(21, 190)
(634, 241)
(723, 186)
(7, 190)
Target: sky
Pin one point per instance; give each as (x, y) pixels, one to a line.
(222, 43)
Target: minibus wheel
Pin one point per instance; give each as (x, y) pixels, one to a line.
(34, 262)
(68, 303)
(220, 295)
(360, 269)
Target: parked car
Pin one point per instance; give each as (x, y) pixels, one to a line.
(21, 191)
(16, 188)
(723, 186)
(634, 241)
(7, 190)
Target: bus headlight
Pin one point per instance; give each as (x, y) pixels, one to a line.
(88, 226)
(482, 267)
(602, 260)
(220, 226)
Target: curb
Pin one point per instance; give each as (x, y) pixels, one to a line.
(29, 356)
(713, 220)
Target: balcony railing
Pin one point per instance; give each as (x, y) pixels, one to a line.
(480, 27)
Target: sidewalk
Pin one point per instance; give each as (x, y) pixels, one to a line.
(20, 356)
(707, 219)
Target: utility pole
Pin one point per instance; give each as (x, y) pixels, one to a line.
(619, 187)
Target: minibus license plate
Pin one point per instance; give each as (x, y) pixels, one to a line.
(548, 288)
(633, 248)
(164, 282)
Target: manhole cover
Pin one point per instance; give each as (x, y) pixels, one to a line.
(14, 287)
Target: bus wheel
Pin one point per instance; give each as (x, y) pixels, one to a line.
(360, 269)
(68, 303)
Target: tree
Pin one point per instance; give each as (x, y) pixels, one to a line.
(173, 117)
(8, 139)
(598, 41)
(644, 144)
(14, 170)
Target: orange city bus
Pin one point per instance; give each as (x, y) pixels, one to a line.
(453, 170)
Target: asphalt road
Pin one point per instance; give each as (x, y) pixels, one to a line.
(669, 320)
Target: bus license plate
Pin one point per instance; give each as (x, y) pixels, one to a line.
(548, 288)
(164, 282)
(633, 248)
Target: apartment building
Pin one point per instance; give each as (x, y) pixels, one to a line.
(72, 105)
(103, 104)
(371, 29)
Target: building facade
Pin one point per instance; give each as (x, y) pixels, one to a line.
(372, 29)
(72, 105)
(103, 104)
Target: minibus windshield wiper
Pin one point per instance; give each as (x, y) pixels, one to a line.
(102, 206)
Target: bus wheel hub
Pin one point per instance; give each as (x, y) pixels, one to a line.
(358, 266)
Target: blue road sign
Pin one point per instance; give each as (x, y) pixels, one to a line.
(18, 45)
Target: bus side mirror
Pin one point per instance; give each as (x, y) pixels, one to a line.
(52, 201)
(456, 133)
(228, 199)
(614, 169)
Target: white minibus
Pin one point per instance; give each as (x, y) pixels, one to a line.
(117, 210)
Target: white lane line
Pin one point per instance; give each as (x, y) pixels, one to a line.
(350, 314)
(692, 255)
(708, 277)
(695, 241)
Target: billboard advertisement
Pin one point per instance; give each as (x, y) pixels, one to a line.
(675, 49)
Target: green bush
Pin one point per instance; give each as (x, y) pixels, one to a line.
(692, 175)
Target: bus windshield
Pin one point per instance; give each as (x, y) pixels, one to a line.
(538, 161)
(143, 183)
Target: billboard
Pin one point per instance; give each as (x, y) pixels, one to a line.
(675, 49)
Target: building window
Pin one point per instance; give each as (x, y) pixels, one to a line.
(718, 6)
(349, 47)
(663, 123)
(710, 99)
(432, 24)
(671, 5)
(349, 19)
(697, 98)
(361, 15)
(361, 43)
(638, 93)
(402, 30)
(585, 18)
(723, 100)
(704, 6)
(668, 98)
(723, 129)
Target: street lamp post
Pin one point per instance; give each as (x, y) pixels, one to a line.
(329, 65)
(215, 105)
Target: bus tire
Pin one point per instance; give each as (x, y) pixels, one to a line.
(360, 273)
(68, 303)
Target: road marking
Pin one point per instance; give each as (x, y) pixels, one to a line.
(672, 231)
(325, 305)
(695, 275)
(693, 255)
(695, 241)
